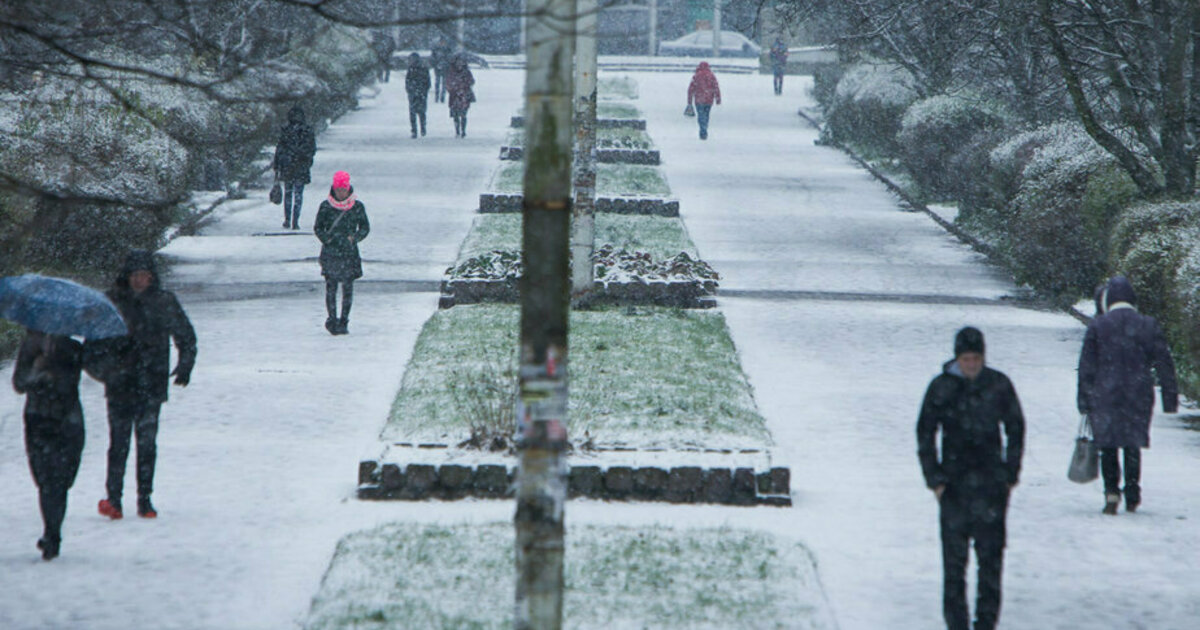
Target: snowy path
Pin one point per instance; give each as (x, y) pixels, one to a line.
(842, 305)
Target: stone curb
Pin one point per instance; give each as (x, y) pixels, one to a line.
(601, 123)
(652, 206)
(648, 157)
(697, 295)
(678, 484)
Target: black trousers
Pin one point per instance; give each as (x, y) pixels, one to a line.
(416, 113)
(54, 447)
(331, 297)
(979, 518)
(293, 198)
(141, 419)
(1110, 469)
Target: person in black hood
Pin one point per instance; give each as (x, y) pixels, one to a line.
(1116, 387)
(47, 372)
(293, 164)
(416, 84)
(135, 370)
(969, 404)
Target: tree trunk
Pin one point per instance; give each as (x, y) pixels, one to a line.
(545, 306)
(583, 227)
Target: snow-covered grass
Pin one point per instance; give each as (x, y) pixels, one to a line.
(611, 179)
(608, 109)
(662, 237)
(618, 88)
(606, 138)
(404, 575)
(646, 376)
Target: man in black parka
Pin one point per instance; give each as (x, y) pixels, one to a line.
(970, 404)
(293, 163)
(1116, 387)
(136, 370)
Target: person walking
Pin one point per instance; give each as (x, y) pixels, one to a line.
(458, 85)
(383, 46)
(416, 84)
(136, 371)
(47, 372)
(1116, 388)
(439, 58)
(969, 404)
(778, 55)
(341, 224)
(293, 164)
(703, 91)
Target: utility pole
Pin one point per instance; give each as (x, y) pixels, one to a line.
(583, 225)
(716, 28)
(653, 28)
(545, 307)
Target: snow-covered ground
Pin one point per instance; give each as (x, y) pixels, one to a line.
(843, 307)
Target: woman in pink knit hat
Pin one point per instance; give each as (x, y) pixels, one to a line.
(341, 223)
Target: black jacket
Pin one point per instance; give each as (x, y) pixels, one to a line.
(416, 82)
(138, 366)
(1116, 387)
(47, 372)
(295, 150)
(340, 232)
(970, 415)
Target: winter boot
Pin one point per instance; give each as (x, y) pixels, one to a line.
(145, 508)
(49, 547)
(331, 324)
(1111, 501)
(1133, 498)
(110, 508)
(343, 326)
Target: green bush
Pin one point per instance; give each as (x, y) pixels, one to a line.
(867, 105)
(940, 133)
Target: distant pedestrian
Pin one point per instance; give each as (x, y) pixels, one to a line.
(439, 58)
(293, 164)
(416, 84)
(1116, 387)
(779, 56)
(970, 403)
(458, 84)
(47, 372)
(136, 370)
(703, 91)
(383, 46)
(341, 224)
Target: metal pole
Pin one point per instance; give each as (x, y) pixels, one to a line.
(716, 28)
(653, 27)
(583, 225)
(545, 307)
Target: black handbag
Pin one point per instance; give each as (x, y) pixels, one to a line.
(1085, 460)
(276, 194)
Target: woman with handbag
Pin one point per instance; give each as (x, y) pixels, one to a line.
(293, 165)
(458, 84)
(703, 92)
(341, 224)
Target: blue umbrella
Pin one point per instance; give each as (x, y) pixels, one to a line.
(59, 307)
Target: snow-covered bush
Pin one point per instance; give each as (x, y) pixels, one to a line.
(612, 265)
(1157, 246)
(1066, 191)
(942, 133)
(867, 106)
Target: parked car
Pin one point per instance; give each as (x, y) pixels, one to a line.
(700, 44)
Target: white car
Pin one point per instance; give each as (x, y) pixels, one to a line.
(700, 44)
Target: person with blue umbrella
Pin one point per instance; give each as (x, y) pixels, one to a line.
(47, 372)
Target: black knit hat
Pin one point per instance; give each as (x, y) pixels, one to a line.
(968, 339)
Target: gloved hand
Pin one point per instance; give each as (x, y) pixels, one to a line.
(182, 378)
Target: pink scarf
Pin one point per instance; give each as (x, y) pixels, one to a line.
(343, 205)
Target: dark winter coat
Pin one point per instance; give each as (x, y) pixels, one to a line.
(137, 367)
(439, 56)
(340, 232)
(295, 150)
(47, 372)
(704, 89)
(416, 83)
(1116, 387)
(779, 56)
(458, 86)
(970, 415)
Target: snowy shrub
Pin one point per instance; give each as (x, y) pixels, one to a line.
(612, 265)
(936, 132)
(485, 393)
(1068, 193)
(867, 105)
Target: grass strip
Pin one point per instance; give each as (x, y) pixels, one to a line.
(606, 138)
(645, 376)
(662, 237)
(611, 179)
(414, 576)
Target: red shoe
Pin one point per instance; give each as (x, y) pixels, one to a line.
(110, 509)
(146, 509)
